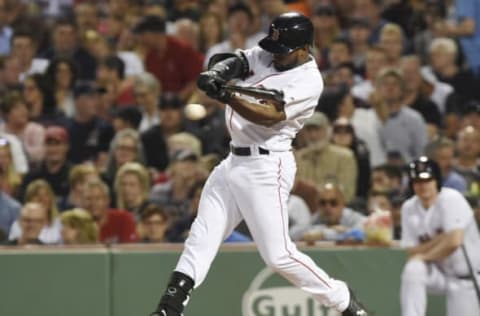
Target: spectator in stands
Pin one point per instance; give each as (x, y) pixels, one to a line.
(403, 129)
(132, 186)
(337, 163)
(210, 31)
(16, 122)
(32, 220)
(184, 141)
(376, 60)
(326, 27)
(38, 94)
(126, 117)
(86, 17)
(78, 227)
(10, 179)
(125, 147)
(342, 75)
(115, 226)
(147, 91)
(11, 71)
(443, 56)
(442, 151)
(184, 62)
(370, 10)
(468, 151)
(78, 176)
(340, 51)
(9, 212)
(344, 135)
(358, 33)
(111, 77)
(56, 166)
(154, 139)
(392, 41)
(39, 191)
(378, 201)
(332, 218)
(90, 134)
(62, 73)
(471, 115)
(183, 172)
(154, 224)
(417, 93)
(239, 23)
(187, 30)
(387, 178)
(65, 43)
(24, 47)
(466, 30)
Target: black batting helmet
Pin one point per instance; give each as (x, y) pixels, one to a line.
(425, 168)
(288, 32)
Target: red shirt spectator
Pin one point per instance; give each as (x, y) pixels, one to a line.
(176, 66)
(119, 227)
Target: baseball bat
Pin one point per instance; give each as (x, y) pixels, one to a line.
(473, 273)
(259, 93)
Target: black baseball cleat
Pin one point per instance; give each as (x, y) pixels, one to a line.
(355, 308)
(164, 312)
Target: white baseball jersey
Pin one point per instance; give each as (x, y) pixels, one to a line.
(301, 86)
(256, 187)
(449, 211)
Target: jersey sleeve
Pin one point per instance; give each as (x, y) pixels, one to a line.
(301, 99)
(408, 237)
(457, 213)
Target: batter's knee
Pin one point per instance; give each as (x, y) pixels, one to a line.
(415, 270)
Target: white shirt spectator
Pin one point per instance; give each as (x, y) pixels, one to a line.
(50, 234)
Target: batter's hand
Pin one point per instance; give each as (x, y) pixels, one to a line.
(210, 82)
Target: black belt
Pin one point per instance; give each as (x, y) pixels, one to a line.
(246, 151)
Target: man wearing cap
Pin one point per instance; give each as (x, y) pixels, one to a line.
(321, 161)
(90, 134)
(55, 167)
(174, 63)
(441, 237)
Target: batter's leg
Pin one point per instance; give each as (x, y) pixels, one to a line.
(417, 279)
(217, 217)
(462, 298)
(262, 195)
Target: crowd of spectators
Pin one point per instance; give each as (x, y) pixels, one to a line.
(96, 144)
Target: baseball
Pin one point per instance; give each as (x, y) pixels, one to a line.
(195, 111)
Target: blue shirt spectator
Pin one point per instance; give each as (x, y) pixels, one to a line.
(5, 37)
(9, 211)
(455, 181)
(468, 9)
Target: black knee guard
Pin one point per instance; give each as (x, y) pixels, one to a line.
(176, 295)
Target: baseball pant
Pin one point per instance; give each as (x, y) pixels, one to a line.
(256, 189)
(420, 278)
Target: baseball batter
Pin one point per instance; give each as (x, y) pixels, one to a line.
(436, 222)
(253, 183)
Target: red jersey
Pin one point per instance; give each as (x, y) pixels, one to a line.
(119, 228)
(178, 66)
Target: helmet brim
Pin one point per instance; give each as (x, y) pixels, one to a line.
(274, 47)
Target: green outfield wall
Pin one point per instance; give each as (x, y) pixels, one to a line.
(128, 280)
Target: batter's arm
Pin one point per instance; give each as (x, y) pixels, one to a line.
(267, 113)
(440, 247)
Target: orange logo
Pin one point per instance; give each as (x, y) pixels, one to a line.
(275, 34)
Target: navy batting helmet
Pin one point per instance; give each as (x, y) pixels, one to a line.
(425, 168)
(288, 32)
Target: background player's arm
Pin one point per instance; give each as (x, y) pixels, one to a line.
(266, 114)
(438, 248)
